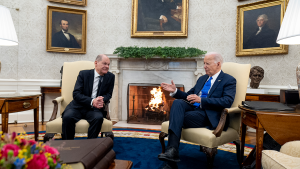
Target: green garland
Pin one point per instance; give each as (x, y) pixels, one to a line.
(165, 52)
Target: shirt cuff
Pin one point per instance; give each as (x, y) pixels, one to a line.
(172, 94)
(92, 103)
(160, 16)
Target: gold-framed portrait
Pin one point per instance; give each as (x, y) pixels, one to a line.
(66, 30)
(257, 28)
(72, 2)
(159, 19)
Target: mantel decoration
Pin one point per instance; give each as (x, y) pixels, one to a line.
(17, 152)
(162, 52)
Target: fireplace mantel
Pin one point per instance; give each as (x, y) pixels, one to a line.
(155, 70)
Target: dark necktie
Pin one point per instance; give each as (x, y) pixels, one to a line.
(205, 89)
(99, 85)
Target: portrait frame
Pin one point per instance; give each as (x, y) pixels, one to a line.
(77, 30)
(180, 15)
(275, 9)
(72, 2)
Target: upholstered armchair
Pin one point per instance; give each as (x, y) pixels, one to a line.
(287, 158)
(70, 73)
(209, 140)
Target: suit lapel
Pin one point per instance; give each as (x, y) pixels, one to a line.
(91, 81)
(201, 84)
(216, 83)
(104, 81)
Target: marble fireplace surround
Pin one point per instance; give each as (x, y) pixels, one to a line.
(155, 71)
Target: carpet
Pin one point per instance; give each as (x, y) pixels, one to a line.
(142, 147)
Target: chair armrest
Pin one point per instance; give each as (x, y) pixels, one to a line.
(217, 132)
(58, 99)
(55, 108)
(234, 110)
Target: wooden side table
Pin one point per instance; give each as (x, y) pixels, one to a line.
(15, 103)
(281, 126)
(263, 97)
(47, 89)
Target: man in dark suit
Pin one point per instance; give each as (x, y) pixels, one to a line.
(263, 36)
(93, 89)
(201, 106)
(63, 38)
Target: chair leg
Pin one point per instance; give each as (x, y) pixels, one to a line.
(238, 152)
(162, 137)
(210, 155)
(48, 136)
(108, 134)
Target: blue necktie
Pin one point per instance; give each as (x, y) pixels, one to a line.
(206, 87)
(204, 91)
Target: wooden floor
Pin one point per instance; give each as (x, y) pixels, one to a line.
(28, 127)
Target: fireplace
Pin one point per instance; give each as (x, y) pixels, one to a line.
(148, 103)
(183, 71)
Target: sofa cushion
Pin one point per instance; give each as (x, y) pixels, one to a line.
(273, 159)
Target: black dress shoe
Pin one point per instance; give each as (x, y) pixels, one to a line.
(170, 155)
(170, 165)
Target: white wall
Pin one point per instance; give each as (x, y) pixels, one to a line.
(212, 27)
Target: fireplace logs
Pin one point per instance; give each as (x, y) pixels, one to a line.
(155, 109)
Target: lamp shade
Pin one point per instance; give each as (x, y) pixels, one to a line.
(8, 35)
(289, 33)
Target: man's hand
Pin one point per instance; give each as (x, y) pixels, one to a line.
(193, 98)
(169, 87)
(165, 19)
(98, 102)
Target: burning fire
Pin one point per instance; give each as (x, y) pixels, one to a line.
(156, 97)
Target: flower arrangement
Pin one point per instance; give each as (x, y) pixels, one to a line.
(17, 152)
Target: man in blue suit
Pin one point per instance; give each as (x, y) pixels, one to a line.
(199, 107)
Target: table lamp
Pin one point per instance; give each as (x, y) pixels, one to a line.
(8, 35)
(289, 33)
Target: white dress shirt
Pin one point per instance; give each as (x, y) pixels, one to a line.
(66, 35)
(259, 29)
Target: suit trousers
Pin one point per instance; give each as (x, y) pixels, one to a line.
(71, 116)
(184, 115)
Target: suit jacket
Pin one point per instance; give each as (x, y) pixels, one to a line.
(84, 86)
(60, 40)
(265, 39)
(220, 96)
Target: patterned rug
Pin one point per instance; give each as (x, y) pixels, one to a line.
(146, 134)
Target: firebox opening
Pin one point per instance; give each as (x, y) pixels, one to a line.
(148, 103)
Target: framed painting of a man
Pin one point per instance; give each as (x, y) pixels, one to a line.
(73, 2)
(66, 30)
(258, 26)
(159, 18)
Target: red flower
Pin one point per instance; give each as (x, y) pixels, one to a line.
(39, 161)
(6, 148)
(32, 142)
(52, 151)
